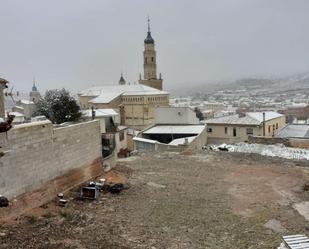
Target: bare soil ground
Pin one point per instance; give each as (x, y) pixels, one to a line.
(207, 200)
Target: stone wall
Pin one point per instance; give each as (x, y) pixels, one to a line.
(267, 140)
(36, 153)
(290, 142)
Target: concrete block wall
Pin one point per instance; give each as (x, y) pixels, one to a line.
(36, 153)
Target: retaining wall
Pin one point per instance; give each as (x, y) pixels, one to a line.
(36, 155)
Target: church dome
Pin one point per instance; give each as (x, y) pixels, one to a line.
(34, 88)
(149, 39)
(122, 80)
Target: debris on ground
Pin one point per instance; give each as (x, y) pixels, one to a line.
(155, 185)
(294, 242)
(4, 202)
(90, 193)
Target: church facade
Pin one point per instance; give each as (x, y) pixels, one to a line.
(136, 103)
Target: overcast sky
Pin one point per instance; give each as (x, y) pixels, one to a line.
(79, 43)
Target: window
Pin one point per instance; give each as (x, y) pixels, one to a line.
(249, 131)
(121, 135)
(225, 130)
(234, 132)
(209, 130)
(152, 59)
(277, 126)
(269, 127)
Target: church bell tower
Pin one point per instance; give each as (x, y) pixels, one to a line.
(150, 64)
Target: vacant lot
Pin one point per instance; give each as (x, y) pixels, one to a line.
(208, 200)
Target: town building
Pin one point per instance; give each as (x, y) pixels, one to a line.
(238, 128)
(150, 63)
(114, 136)
(135, 102)
(298, 111)
(25, 107)
(175, 128)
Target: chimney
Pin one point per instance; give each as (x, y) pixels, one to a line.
(92, 113)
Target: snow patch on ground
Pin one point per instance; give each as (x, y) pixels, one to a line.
(303, 209)
(277, 150)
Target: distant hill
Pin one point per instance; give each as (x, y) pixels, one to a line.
(292, 82)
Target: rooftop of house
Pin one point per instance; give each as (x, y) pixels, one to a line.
(26, 102)
(100, 113)
(294, 131)
(251, 118)
(105, 94)
(175, 129)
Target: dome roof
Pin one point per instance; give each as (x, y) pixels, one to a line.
(34, 88)
(149, 39)
(122, 80)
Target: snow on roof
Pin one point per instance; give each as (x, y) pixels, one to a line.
(26, 102)
(140, 139)
(175, 129)
(294, 131)
(251, 118)
(268, 115)
(297, 105)
(100, 113)
(105, 94)
(144, 93)
(17, 114)
(182, 140)
(233, 119)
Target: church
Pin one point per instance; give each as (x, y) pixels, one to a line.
(135, 102)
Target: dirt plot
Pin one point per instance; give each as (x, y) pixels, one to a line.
(208, 200)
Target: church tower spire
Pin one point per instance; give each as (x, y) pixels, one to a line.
(150, 64)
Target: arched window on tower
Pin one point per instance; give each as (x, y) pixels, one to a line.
(152, 59)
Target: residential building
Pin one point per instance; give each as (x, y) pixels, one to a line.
(26, 107)
(299, 111)
(237, 128)
(114, 136)
(175, 115)
(175, 128)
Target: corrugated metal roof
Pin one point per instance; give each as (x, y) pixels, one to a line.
(294, 131)
(105, 94)
(296, 241)
(175, 129)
